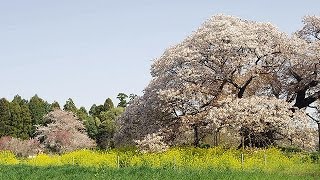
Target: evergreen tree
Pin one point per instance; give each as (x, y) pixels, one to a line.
(82, 113)
(70, 106)
(54, 105)
(92, 124)
(108, 105)
(26, 121)
(4, 116)
(38, 108)
(107, 127)
(16, 124)
(123, 100)
(96, 110)
(92, 110)
(18, 99)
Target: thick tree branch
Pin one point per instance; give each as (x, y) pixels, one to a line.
(295, 75)
(243, 88)
(302, 102)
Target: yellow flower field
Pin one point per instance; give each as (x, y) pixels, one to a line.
(269, 160)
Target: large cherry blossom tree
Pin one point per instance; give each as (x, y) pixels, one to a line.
(229, 58)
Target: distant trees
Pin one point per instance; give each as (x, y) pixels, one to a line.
(100, 121)
(15, 118)
(21, 119)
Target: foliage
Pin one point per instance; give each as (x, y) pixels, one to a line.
(92, 124)
(123, 100)
(38, 108)
(25, 130)
(108, 104)
(4, 117)
(107, 127)
(70, 106)
(55, 105)
(15, 118)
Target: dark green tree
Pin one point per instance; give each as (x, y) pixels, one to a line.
(18, 99)
(38, 108)
(123, 100)
(104, 136)
(107, 127)
(54, 105)
(108, 104)
(92, 110)
(82, 113)
(4, 116)
(92, 124)
(70, 106)
(16, 123)
(96, 110)
(21, 122)
(24, 133)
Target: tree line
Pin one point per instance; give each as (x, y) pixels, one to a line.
(20, 117)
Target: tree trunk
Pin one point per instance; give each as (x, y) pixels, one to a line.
(216, 137)
(319, 136)
(196, 136)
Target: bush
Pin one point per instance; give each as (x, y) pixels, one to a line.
(21, 148)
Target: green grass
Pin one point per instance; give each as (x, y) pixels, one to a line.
(76, 172)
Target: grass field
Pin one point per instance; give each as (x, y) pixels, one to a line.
(76, 172)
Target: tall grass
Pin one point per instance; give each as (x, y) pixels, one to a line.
(141, 173)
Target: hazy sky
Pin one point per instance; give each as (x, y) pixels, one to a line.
(91, 50)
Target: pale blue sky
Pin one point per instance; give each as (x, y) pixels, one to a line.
(91, 50)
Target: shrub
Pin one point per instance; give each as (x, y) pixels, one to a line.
(21, 148)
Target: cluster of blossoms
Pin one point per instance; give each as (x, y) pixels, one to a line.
(152, 143)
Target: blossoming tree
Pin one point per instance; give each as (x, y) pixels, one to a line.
(229, 58)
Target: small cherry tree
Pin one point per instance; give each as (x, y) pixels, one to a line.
(63, 133)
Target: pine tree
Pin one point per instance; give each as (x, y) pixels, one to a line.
(82, 113)
(16, 124)
(38, 108)
(18, 99)
(123, 100)
(54, 105)
(25, 132)
(108, 105)
(4, 116)
(70, 106)
(92, 110)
